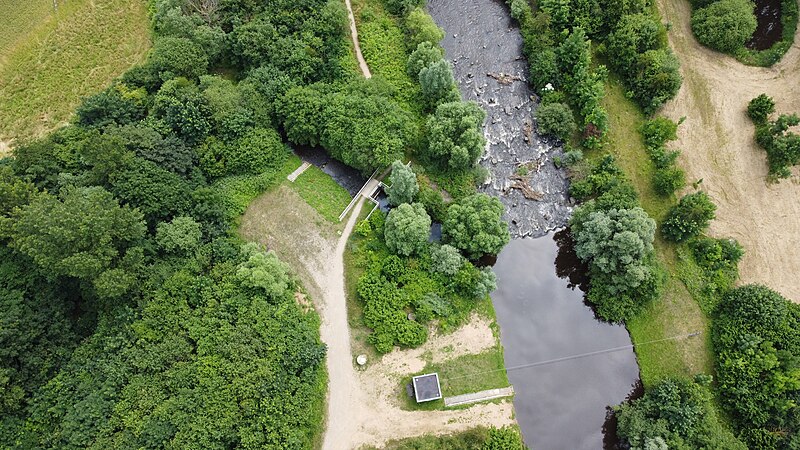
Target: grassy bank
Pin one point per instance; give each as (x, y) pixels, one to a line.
(684, 306)
(50, 59)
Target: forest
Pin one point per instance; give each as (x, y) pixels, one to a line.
(134, 316)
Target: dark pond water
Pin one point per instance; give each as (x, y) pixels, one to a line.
(542, 316)
(346, 176)
(769, 29)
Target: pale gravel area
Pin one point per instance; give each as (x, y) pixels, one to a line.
(364, 406)
(718, 147)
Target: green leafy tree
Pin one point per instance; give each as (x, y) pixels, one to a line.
(475, 226)
(438, 84)
(556, 119)
(177, 57)
(760, 108)
(184, 109)
(401, 7)
(503, 439)
(81, 234)
(725, 25)
(658, 79)
(407, 229)
(403, 184)
(618, 245)
(634, 35)
(689, 217)
(158, 193)
(420, 28)
(423, 56)
(260, 150)
(455, 138)
(181, 235)
(446, 259)
(117, 104)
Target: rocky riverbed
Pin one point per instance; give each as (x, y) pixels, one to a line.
(485, 49)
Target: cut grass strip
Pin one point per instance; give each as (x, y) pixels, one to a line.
(320, 191)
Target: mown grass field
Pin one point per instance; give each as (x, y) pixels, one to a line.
(50, 59)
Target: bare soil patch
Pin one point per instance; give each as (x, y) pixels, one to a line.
(364, 407)
(718, 148)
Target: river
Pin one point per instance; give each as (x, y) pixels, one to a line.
(539, 302)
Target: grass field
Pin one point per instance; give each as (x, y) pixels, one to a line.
(677, 312)
(321, 192)
(50, 59)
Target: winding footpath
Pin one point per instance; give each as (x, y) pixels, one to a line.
(343, 411)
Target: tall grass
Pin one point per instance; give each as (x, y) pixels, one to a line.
(49, 59)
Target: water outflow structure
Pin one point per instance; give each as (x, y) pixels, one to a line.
(542, 317)
(539, 304)
(486, 52)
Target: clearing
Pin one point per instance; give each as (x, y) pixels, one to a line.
(366, 406)
(50, 59)
(718, 148)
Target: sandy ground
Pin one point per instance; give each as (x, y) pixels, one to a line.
(718, 147)
(364, 405)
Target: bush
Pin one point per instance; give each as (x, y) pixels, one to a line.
(657, 132)
(556, 119)
(407, 229)
(475, 226)
(402, 184)
(446, 259)
(177, 57)
(401, 7)
(716, 254)
(725, 25)
(420, 28)
(760, 108)
(668, 180)
(423, 56)
(756, 340)
(689, 217)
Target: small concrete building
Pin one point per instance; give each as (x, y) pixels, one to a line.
(426, 387)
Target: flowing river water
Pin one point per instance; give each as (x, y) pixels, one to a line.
(539, 302)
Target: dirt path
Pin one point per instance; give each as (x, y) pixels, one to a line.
(717, 146)
(354, 35)
(364, 406)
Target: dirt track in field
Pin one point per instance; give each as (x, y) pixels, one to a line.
(364, 405)
(717, 146)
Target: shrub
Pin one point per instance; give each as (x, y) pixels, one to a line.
(475, 226)
(407, 229)
(556, 119)
(689, 217)
(446, 259)
(420, 28)
(668, 180)
(177, 57)
(401, 7)
(424, 55)
(725, 25)
(657, 132)
(716, 254)
(760, 108)
(403, 184)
